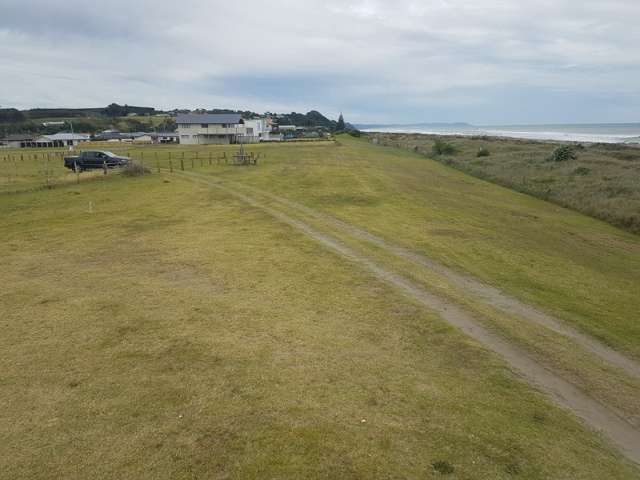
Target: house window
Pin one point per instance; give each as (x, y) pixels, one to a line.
(204, 125)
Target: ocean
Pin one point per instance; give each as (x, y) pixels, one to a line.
(625, 133)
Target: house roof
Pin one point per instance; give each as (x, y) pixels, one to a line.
(113, 136)
(66, 136)
(164, 134)
(214, 118)
(17, 137)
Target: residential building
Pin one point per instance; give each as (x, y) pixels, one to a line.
(164, 137)
(157, 137)
(16, 140)
(259, 130)
(60, 140)
(208, 128)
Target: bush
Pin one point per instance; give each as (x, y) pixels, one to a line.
(355, 133)
(134, 170)
(443, 467)
(483, 152)
(562, 154)
(440, 147)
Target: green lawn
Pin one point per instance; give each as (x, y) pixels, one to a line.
(157, 328)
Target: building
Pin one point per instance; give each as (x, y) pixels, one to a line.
(146, 138)
(259, 130)
(59, 140)
(157, 137)
(16, 140)
(164, 137)
(208, 128)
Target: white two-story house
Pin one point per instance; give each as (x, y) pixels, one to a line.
(208, 128)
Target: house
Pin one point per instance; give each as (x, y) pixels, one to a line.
(110, 136)
(164, 137)
(146, 138)
(208, 128)
(16, 140)
(59, 140)
(156, 137)
(259, 130)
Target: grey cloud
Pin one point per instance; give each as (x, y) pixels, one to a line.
(368, 57)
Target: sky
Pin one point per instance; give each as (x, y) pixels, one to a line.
(477, 61)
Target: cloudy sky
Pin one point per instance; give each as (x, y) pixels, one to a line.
(480, 61)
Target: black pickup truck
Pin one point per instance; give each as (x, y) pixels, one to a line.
(92, 160)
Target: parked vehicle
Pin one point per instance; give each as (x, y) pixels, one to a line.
(92, 160)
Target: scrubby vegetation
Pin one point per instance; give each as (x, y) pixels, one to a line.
(600, 180)
(483, 152)
(133, 169)
(563, 153)
(440, 147)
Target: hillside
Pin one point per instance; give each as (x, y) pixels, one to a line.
(603, 181)
(93, 120)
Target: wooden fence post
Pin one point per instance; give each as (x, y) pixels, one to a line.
(170, 165)
(182, 164)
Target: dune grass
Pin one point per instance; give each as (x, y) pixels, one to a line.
(155, 328)
(602, 181)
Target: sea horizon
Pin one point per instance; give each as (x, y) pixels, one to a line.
(620, 133)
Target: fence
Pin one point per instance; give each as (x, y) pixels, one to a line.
(29, 170)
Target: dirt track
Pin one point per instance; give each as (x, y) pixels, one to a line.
(563, 393)
(482, 291)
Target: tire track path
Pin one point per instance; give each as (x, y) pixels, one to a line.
(486, 293)
(563, 393)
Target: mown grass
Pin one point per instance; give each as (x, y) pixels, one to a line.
(580, 269)
(153, 328)
(40, 168)
(603, 181)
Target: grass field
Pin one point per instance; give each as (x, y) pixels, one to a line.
(603, 181)
(164, 327)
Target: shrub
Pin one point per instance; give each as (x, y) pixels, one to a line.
(440, 147)
(483, 152)
(562, 154)
(355, 133)
(134, 170)
(443, 467)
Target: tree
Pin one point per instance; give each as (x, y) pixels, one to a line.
(340, 126)
(114, 110)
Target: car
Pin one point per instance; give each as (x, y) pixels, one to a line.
(94, 159)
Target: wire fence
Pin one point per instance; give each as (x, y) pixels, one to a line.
(22, 170)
